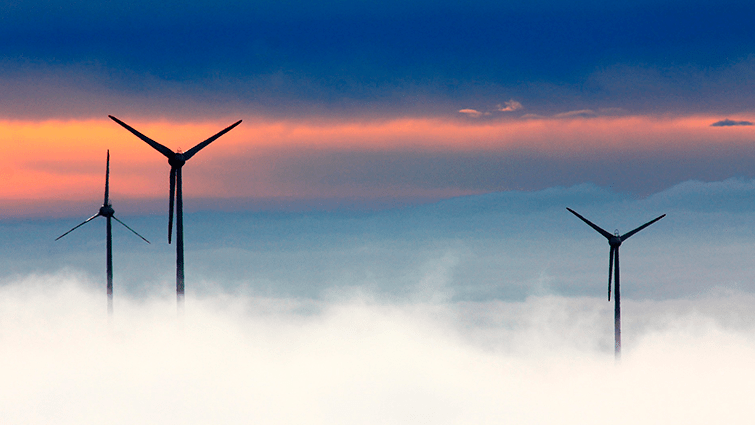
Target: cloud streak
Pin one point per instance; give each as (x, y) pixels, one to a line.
(582, 113)
(511, 105)
(729, 123)
(472, 113)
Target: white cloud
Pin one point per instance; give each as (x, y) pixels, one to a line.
(236, 359)
(473, 113)
(511, 105)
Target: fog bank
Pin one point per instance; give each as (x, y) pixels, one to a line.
(356, 357)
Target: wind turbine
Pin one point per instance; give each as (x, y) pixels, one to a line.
(107, 211)
(615, 241)
(176, 161)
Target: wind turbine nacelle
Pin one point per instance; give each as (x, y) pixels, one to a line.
(614, 241)
(177, 161)
(107, 211)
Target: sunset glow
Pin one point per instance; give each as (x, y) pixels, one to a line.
(55, 160)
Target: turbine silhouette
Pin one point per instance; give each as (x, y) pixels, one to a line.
(176, 161)
(615, 241)
(107, 211)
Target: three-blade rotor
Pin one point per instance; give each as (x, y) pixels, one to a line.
(106, 210)
(614, 241)
(176, 161)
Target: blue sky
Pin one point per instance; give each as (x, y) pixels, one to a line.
(391, 59)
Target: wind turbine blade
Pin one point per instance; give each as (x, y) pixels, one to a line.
(81, 224)
(188, 154)
(591, 224)
(610, 270)
(124, 225)
(107, 178)
(160, 148)
(170, 202)
(628, 234)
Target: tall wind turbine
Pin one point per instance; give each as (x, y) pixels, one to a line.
(176, 161)
(107, 211)
(615, 241)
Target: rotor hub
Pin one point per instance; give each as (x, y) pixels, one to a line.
(177, 161)
(107, 211)
(614, 241)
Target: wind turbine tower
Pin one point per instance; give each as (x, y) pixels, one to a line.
(615, 241)
(107, 211)
(176, 161)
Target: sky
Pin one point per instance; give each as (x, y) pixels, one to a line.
(384, 238)
(372, 104)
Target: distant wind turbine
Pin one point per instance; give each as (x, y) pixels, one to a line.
(176, 161)
(615, 241)
(107, 211)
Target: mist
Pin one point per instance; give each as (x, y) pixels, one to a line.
(480, 309)
(356, 358)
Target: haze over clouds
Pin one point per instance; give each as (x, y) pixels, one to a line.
(506, 245)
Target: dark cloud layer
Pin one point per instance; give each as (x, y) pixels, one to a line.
(299, 57)
(641, 173)
(729, 123)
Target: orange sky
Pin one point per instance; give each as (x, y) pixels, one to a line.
(55, 160)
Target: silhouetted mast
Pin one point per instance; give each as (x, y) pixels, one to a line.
(176, 161)
(615, 241)
(107, 211)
